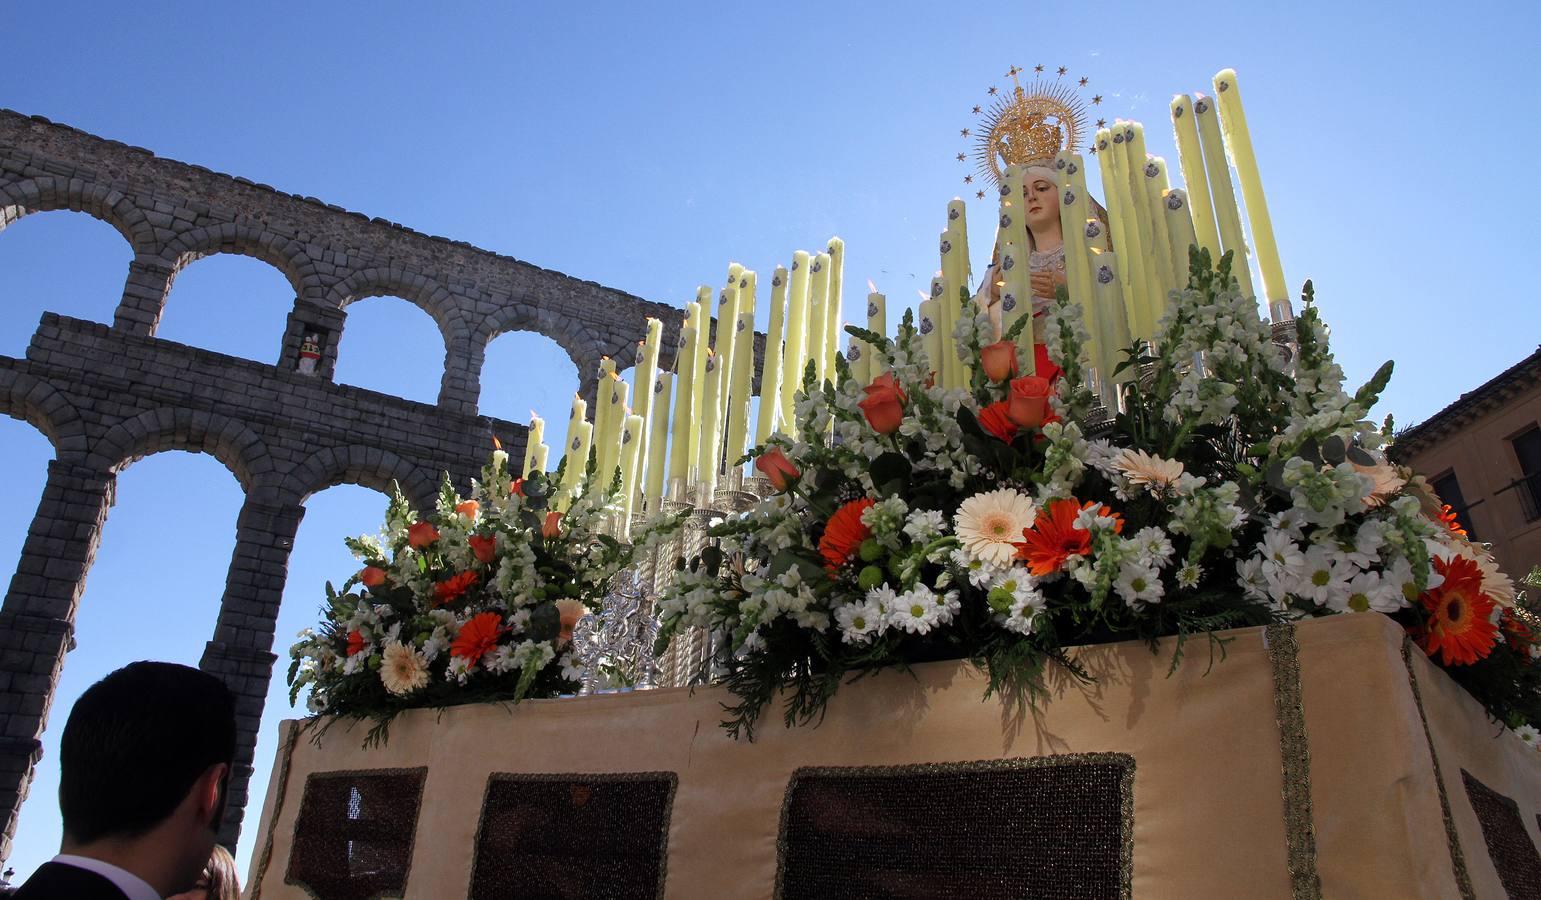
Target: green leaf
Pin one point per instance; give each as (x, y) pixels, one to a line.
(545, 623)
(890, 471)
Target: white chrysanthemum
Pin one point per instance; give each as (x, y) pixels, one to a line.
(883, 599)
(989, 523)
(924, 524)
(1250, 578)
(1280, 553)
(1152, 545)
(1367, 591)
(916, 610)
(403, 670)
(1138, 584)
(859, 622)
(1188, 575)
(1154, 473)
(1530, 735)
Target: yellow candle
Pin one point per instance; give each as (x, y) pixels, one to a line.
(542, 454)
(531, 441)
(643, 380)
(855, 356)
(741, 382)
(724, 343)
(1104, 266)
(957, 224)
(602, 408)
(770, 367)
(577, 460)
(1114, 318)
(1017, 301)
(1154, 198)
(698, 371)
(951, 365)
(631, 447)
(1013, 221)
(1195, 177)
(1227, 216)
(818, 316)
(1179, 226)
(1150, 275)
(685, 413)
(607, 443)
(1239, 139)
(836, 251)
(796, 352)
(711, 427)
(1073, 209)
(930, 331)
(877, 323)
(657, 439)
(1118, 221)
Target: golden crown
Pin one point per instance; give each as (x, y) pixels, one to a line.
(1029, 125)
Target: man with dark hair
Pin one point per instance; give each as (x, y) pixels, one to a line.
(144, 763)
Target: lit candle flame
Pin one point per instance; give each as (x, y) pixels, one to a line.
(871, 288)
(923, 295)
(496, 444)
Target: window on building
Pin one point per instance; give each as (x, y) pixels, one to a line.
(1527, 449)
(1449, 491)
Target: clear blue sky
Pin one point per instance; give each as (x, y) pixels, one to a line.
(647, 147)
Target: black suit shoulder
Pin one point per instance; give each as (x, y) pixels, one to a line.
(57, 881)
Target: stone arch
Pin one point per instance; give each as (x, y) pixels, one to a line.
(285, 254)
(369, 467)
(179, 428)
(43, 407)
(569, 332)
(46, 194)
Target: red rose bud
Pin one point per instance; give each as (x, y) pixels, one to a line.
(775, 466)
(485, 548)
(372, 576)
(884, 406)
(1029, 401)
(999, 360)
(553, 525)
(421, 534)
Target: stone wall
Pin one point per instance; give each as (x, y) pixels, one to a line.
(106, 396)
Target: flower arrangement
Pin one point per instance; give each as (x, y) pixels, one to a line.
(988, 524)
(475, 603)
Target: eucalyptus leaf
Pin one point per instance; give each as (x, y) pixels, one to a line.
(545, 623)
(1334, 450)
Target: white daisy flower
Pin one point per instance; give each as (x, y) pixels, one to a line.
(1138, 584)
(1367, 591)
(1188, 575)
(883, 599)
(1280, 553)
(989, 524)
(1322, 577)
(858, 622)
(980, 573)
(1153, 546)
(915, 610)
(1530, 735)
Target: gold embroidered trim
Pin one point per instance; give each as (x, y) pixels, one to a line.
(1123, 761)
(1457, 858)
(1299, 825)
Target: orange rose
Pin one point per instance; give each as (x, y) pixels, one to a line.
(372, 576)
(884, 406)
(468, 509)
(553, 525)
(999, 360)
(775, 466)
(997, 420)
(485, 548)
(1029, 401)
(421, 534)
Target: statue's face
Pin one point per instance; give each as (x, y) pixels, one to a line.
(1042, 201)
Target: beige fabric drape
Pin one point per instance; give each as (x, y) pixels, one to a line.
(1209, 808)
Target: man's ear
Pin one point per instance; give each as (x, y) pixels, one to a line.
(209, 794)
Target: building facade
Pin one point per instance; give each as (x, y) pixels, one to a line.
(1482, 454)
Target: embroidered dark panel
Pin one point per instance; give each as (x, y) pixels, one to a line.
(1050, 828)
(353, 835)
(1508, 843)
(569, 836)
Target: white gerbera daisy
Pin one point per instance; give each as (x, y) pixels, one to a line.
(1154, 473)
(916, 610)
(403, 669)
(989, 524)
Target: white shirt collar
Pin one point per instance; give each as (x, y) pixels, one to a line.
(132, 885)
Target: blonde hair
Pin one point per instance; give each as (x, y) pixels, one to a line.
(224, 883)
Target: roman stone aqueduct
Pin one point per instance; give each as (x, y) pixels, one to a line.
(108, 395)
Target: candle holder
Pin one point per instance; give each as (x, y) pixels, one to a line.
(1285, 338)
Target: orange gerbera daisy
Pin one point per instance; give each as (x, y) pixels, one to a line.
(1459, 627)
(355, 642)
(843, 534)
(452, 587)
(1448, 519)
(478, 636)
(995, 419)
(1053, 539)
